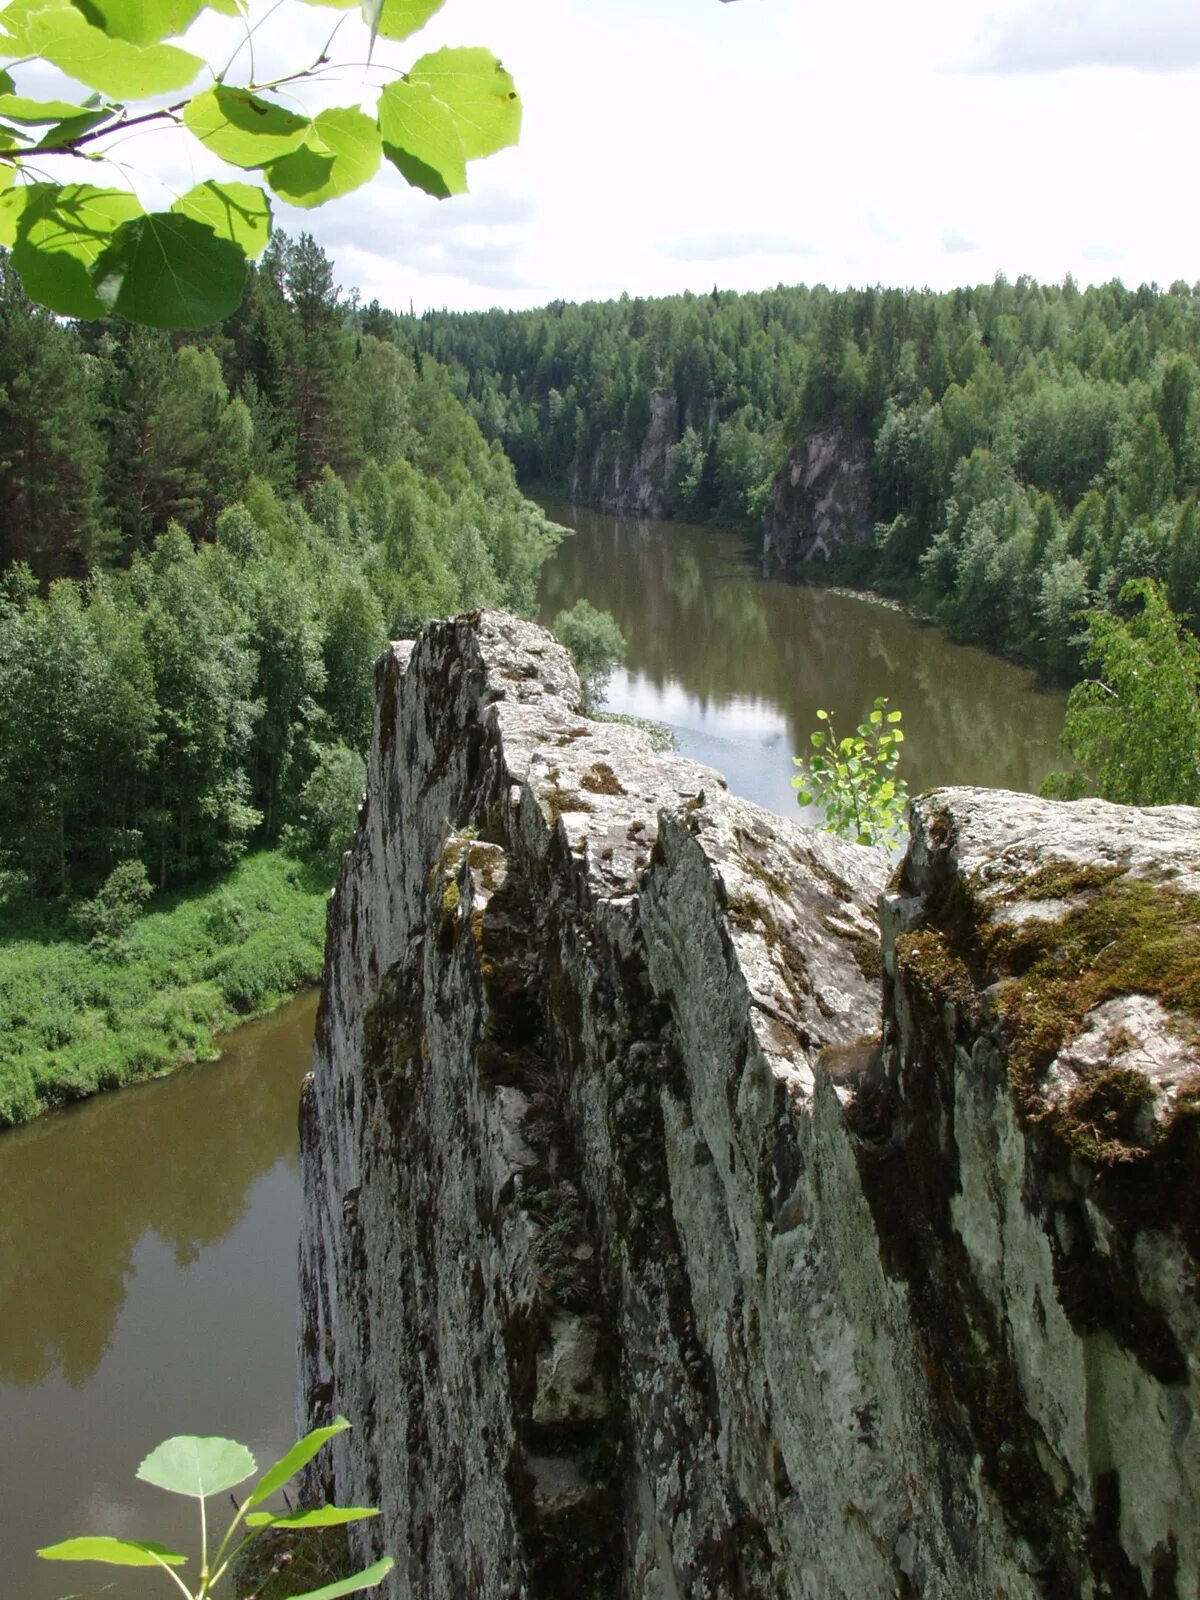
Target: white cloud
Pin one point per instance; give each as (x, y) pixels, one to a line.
(670, 142)
(1151, 35)
(734, 246)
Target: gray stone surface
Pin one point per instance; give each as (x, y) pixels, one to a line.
(820, 500)
(642, 1265)
(616, 477)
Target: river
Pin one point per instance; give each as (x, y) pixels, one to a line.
(147, 1287)
(148, 1238)
(737, 666)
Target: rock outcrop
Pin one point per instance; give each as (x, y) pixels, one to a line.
(820, 499)
(618, 477)
(647, 1264)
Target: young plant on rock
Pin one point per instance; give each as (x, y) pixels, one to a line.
(202, 1468)
(853, 779)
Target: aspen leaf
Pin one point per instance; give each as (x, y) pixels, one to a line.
(170, 271)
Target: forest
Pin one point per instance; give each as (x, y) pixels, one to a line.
(205, 543)
(205, 546)
(1033, 447)
(206, 540)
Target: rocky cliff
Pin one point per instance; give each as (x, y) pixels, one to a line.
(669, 1235)
(619, 478)
(820, 499)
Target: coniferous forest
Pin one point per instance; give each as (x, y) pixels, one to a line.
(1033, 448)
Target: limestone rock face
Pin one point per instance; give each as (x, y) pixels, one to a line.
(820, 499)
(619, 478)
(645, 1267)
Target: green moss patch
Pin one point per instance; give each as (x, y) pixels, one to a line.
(1120, 936)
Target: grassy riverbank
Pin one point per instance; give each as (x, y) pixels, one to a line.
(76, 1017)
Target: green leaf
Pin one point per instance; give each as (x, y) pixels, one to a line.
(482, 97)
(60, 234)
(185, 1464)
(141, 21)
(822, 716)
(421, 137)
(298, 1456)
(12, 203)
(894, 716)
(396, 19)
(366, 1579)
(322, 1517)
(116, 1552)
(236, 211)
(6, 83)
(817, 740)
(242, 128)
(55, 30)
(17, 108)
(341, 152)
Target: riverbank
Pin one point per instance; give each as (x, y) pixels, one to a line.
(76, 1018)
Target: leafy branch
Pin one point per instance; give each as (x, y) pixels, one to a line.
(86, 252)
(201, 1468)
(853, 779)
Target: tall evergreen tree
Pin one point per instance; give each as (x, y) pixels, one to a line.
(50, 449)
(321, 360)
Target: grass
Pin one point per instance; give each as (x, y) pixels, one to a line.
(76, 1019)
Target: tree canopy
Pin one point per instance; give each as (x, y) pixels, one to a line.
(203, 548)
(1032, 447)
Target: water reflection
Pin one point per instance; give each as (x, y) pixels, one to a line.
(174, 1158)
(147, 1287)
(738, 665)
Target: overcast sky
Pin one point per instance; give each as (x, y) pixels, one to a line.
(671, 144)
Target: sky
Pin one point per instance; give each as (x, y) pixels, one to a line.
(674, 144)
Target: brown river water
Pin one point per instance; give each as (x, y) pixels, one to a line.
(148, 1238)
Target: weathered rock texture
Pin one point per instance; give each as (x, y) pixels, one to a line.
(644, 1267)
(616, 477)
(820, 500)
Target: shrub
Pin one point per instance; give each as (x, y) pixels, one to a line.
(117, 904)
(853, 778)
(596, 644)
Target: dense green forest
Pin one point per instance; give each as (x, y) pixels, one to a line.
(1033, 447)
(205, 546)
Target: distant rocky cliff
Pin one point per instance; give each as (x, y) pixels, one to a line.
(620, 478)
(668, 1234)
(819, 500)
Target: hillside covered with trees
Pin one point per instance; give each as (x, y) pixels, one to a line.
(205, 543)
(1032, 447)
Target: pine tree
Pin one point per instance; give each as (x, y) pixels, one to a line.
(320, 364)
(50, 450)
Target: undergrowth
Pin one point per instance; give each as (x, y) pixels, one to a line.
(78, 1016)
